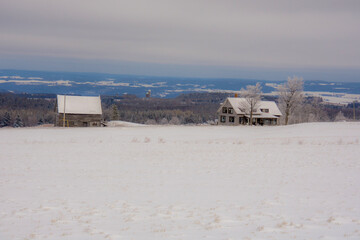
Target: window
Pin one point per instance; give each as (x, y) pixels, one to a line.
(222, 119)
(241, 120)
(224, 110)
(231, 110)
(265, 110)
(231, 119)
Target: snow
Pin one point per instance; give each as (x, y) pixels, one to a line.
(180, 182)
(79, 104)
(123, 124)
(335, 98)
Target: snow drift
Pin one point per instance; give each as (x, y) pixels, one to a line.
(200, 182)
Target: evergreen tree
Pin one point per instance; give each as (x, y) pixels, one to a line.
(18, 122)
(115, 113)
(6, 120)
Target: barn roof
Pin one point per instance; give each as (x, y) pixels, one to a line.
(238, 105)
(79, 104)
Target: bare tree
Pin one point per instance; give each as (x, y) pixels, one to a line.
(252, 95)
(291, 95)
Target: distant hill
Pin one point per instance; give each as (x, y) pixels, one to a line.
(21, 81)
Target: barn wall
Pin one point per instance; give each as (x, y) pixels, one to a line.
(79, 120)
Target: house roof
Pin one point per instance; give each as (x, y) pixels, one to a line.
(79, 104)
(239, 103)
(262, 115)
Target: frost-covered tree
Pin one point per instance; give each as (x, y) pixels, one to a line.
(312, 110)
(340, 117)
(252, 95)
(18, 122)
(291, 95)
(5, 120)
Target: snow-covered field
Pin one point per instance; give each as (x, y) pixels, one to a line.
(202, 182)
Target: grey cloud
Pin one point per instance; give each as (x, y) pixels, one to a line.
(225, 33)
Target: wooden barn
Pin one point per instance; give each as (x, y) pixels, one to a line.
(78, 111)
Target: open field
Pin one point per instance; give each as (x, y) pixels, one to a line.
(179, 182)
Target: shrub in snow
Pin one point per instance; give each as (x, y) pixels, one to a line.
(211, 122)
(164, 121)
(150, 122)
(175, 121)
(40, 122)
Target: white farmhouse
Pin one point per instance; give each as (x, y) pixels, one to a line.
(234, 111)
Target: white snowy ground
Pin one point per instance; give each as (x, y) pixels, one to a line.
(201, 182)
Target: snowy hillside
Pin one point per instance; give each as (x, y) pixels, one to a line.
(202, 182)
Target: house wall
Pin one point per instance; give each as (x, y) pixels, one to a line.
(79, 120)
(227, 118)
(245, 121)
(240, 119)
(227, 115)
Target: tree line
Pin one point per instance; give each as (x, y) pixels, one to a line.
(23, 110)
(295, 107)
(18, 110)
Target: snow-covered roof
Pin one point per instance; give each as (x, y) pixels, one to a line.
(262, 115)
(79, 104)
(239, 104)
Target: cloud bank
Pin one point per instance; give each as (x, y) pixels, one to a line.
(229, 33)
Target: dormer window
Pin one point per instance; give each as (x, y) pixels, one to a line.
(224, 110)
(264, 110)
(231, 110)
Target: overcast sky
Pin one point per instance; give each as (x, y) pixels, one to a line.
(229, 35)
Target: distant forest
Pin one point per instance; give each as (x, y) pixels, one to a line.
(18, 110)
